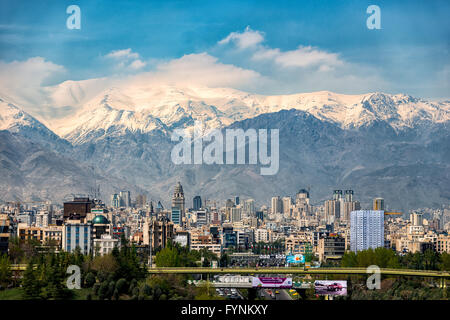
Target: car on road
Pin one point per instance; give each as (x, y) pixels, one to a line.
(334, 287)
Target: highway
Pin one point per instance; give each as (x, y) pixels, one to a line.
(282, 295)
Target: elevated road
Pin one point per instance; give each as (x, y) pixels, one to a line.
(282, 271)
(340, 271)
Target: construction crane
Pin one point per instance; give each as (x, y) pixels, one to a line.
(391, 213)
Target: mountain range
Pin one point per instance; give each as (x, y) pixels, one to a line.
(392, 146)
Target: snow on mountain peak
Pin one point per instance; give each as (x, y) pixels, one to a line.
(146, 108)
(13, 118)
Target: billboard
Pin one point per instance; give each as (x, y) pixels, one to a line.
(234, 279)
(297, 258)
(271, 282)
(330, 287)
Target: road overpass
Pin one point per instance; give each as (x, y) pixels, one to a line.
(283, 271)
(301, 271)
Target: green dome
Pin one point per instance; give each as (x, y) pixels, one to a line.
(100, 220)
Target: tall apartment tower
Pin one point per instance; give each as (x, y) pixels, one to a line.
(115, 200)
(416, 219)
(125, 197)
(348, 205)
(366, 229)
(378, 204)
(141, 200)
(337, 194)
(287, 202)
(178, 199)
(302, 207)
(249, 208)
(197, 203)
(348, 195)
(332, 210)
(276, 205)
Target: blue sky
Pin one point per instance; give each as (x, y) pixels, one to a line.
(299, 46)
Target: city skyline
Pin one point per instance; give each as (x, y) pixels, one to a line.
(245, 152)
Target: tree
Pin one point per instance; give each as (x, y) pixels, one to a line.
(121, 285)
(5, 271)
(224, 260)
(103, 290)
(349, 260)
(431, 259)
(15, 250)
(105, 264)
(30, 284)
(89, 281)
(445, 262)
(167, 257)
(55, 287)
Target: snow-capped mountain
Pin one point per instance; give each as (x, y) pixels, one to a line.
(143, 109)
(394, 146)
(14, 119)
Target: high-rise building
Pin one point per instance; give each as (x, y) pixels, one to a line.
(236, 200)
(276, 205)
(141, 200)
(348, 195)
(159, 231)
(76, 234)
(5, 233)
(125, 199)
(176, 216)
(202, 218)
(348, 205)
(78, 208)
(416, 219)
(115, 200)
(249, 208)
(378, 204)
(338, 209)
(178, 199)
(366, 229)
(197, 203)
(332, 210)
(236, 214)
(286, 203)
(302, 207)
(337, 194)
(330, 247)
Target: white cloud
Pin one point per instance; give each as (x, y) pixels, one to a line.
(301, 57)
(122, 54)
(137, 64)
(126, 59)
(258, 69)
(204, 69)
(23, 81)
(248, 38)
